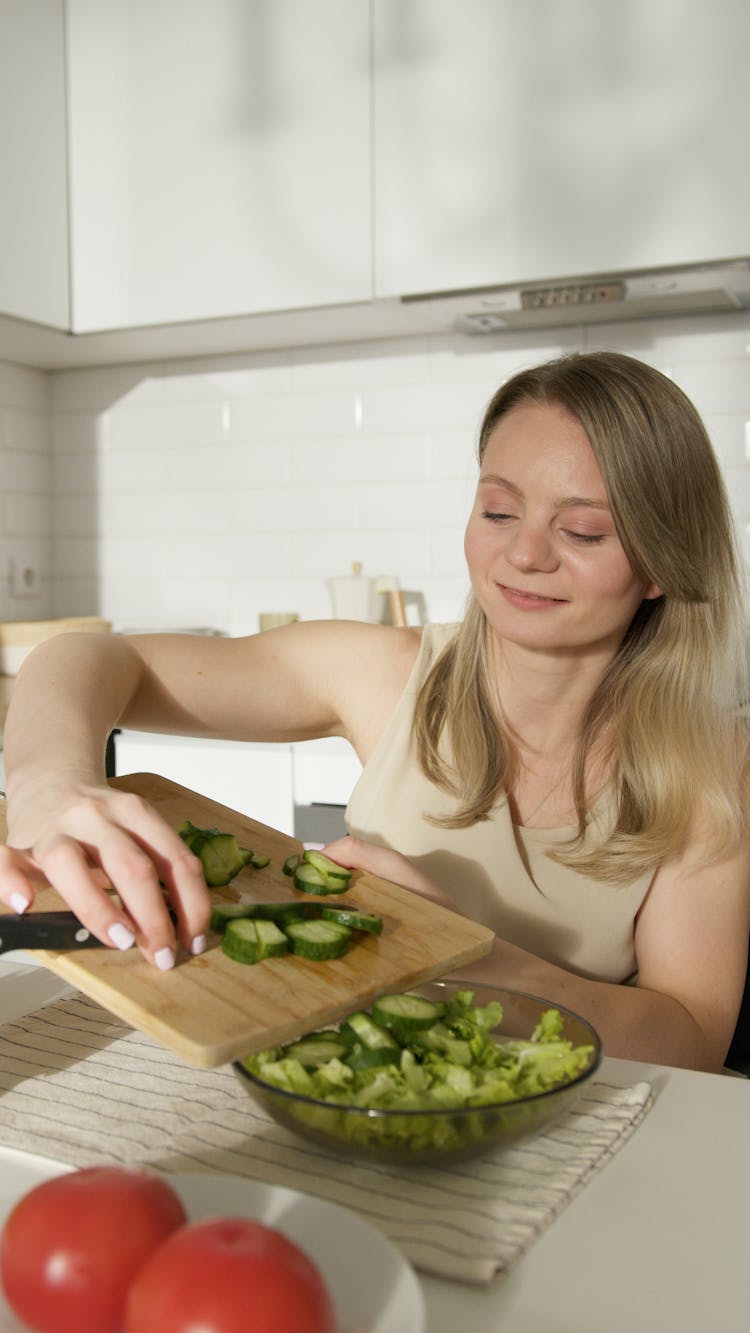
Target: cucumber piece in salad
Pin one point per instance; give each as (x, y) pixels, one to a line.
(405, 1015)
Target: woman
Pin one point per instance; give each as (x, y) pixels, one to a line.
(566, 764)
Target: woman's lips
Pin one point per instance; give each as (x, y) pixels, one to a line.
(528, 601)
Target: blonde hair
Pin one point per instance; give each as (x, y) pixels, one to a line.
(672, 696)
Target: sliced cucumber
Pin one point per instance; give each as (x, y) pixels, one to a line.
(220, 853)
(259, 862)
(362, 1057)
(405, 1015)
(349, 916)
(325, 865)
(249, 941)
(317, 939)
(308, 879)
(223, 913)
(317, 1048)
(369, 1034)
(291, 863)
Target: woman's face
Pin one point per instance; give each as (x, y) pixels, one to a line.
(546, 564)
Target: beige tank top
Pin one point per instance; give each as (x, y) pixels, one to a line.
(496, 872)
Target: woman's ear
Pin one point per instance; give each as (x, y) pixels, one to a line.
(652, 593)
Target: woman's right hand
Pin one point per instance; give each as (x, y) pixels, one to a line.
(87, 840)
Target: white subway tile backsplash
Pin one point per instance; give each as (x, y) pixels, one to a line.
(28, 516)
(325, 554)
(27, 430)
(161, 425)
(138, 472)
(424, 407)
(75, 474)
(721, 386)
(204, 491)
(132, 557)
(226, 555)
(77, 516)
(364, 458)
(79, 432)
(293, 416)
(398, 361)
(433, 504)
(454, 455)
(726, 431)
(78, 557)
(26, 471)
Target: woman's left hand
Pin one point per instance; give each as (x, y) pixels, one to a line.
(357, 854)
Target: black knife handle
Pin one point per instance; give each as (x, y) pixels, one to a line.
(45, 930)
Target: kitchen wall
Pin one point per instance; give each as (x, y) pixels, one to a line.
(202, 493)
(25, 490)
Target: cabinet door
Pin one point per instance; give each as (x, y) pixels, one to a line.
(254, 779)
(533, 139)
(34, 212)
(219, 157)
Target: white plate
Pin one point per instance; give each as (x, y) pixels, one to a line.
(374, 1289)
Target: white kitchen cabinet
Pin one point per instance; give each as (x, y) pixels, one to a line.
(518, 140)
(250, 777)
(219, 158)
(34, 212)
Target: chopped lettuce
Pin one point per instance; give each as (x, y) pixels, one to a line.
(454, 1065)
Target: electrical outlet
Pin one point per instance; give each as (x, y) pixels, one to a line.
(25, 580)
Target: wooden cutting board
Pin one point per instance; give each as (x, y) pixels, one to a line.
(209, 1009)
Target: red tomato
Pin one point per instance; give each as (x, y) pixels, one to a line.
(71, 1246)
(229, 1275)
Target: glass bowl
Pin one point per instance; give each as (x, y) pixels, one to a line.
(438, 1135)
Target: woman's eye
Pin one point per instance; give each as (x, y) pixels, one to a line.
(497, 515)
(586, 538)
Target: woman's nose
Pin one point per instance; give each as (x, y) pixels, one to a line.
(531, 548)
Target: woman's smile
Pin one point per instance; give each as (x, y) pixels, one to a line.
(529, 601)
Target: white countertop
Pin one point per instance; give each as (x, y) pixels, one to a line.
(656, 1242)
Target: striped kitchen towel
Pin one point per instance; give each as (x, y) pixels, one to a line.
(79, 1086)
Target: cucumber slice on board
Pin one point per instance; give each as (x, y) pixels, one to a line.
(318, 940)
(249, 941)
(349, 916)
(325, 865)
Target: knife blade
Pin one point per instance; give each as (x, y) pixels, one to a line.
(45, 930)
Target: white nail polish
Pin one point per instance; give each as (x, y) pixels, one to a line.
(120, 936)
(164, 959)
(18, 902)
(198, 945)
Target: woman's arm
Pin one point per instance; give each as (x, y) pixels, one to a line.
(313, 679)
(691, 946)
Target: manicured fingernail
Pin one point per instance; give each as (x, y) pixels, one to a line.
(198, 944)
(18, 902)
(164, 959)
(120, 936)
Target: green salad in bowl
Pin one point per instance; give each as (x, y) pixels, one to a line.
(439, 1073)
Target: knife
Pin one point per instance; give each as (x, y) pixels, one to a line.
(45, 930)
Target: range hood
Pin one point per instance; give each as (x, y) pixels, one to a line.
(591, 298)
